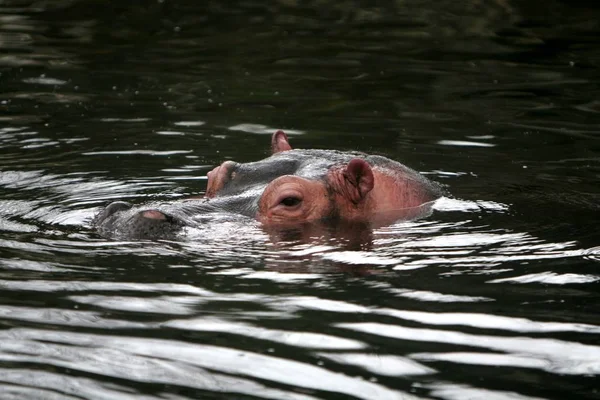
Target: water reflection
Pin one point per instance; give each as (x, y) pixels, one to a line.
(557, 356)
(493, 295)
(456, 392)
(177, 363)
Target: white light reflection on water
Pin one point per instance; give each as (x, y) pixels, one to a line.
(44, 80)
(556, 356)
(180, 363)
(189, 123)
(309, 340)
(464, 143)
(12, 226)
(170, 133)
(75, 217)
(168, 305)
(560, 356)
(20, 383)
(31, 265)
(72, 318)
(463, 392)
(488, 321)
(276, 276)
(77, 188)
(81, 286)
(450, 204)
(360, 257)
(551, 278)
(137, 152)
(190, 297)
(456, 247)
(108, 119)
(381, 364)
(262, 129)
(107, 362)
(423, 295)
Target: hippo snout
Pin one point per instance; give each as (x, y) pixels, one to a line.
(121, 219)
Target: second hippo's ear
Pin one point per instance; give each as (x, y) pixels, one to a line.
(279, 142)
(358, 180)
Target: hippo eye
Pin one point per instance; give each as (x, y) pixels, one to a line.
(290, 201)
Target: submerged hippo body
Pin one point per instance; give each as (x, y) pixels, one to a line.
(290, 187)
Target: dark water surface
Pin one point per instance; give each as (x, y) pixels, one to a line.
(494, 296)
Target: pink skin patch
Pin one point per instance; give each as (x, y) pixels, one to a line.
(153, 214)
(279, 142)
(217, 178)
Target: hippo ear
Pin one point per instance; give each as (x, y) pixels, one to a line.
(358, 180)
(279, 142)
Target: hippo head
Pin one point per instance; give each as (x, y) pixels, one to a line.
(290, 187)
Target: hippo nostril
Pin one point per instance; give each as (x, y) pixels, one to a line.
(153, 214)
(115, 207)
(155, 217)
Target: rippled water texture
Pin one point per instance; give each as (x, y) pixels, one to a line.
(493, 296)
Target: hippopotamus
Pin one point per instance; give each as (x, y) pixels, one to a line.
(291, 187)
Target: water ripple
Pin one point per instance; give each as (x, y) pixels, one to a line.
(461, 392)
(560, 356)
(307, 340)
(180, 363)
(551, 278)
(380, 364)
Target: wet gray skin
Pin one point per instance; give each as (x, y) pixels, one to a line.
(309, 164)
(239, 196)
(121, 220)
